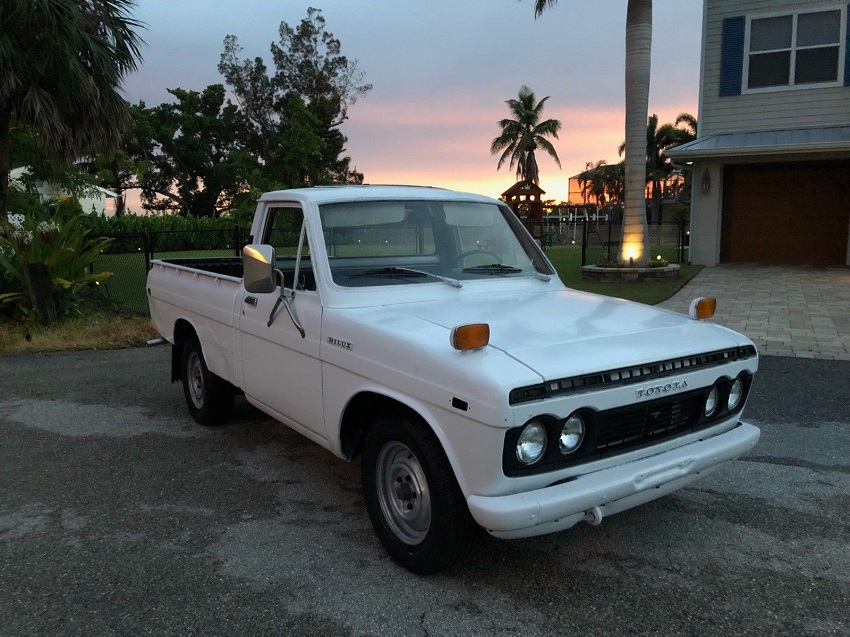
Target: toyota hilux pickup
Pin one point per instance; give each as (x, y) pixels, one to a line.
(426, 333)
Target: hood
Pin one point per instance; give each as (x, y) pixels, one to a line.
(566, 332)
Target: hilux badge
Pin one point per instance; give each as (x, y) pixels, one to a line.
(657, 390)
(339, 343)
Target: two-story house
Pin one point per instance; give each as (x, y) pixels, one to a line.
(771, 163)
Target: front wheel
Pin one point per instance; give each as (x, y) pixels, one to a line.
(209, 397)
(415, 505)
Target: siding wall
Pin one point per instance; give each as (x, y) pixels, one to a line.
(763, 111)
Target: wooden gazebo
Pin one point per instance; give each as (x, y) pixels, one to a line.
(529, 193)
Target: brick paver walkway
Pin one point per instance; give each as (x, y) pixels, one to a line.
(786, 310)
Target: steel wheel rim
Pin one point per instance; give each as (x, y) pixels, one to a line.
(196, 380)
(403, 493)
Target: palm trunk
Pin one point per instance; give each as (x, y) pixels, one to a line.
(5, 120)
(634, 248)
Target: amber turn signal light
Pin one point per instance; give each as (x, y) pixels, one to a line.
(472, 336)
(702, 308)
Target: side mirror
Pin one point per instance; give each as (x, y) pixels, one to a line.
(258, 274)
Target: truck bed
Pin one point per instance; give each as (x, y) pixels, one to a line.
(232, 267)
(225, 266)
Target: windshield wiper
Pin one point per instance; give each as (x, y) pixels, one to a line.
(406, 272)
(501, 268)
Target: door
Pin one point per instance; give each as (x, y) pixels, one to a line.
(281, 368)
(791, 213)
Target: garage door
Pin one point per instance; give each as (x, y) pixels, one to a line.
(795, 213)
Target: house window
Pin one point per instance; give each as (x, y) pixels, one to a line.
(795, 50)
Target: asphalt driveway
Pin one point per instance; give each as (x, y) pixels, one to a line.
(120, 516)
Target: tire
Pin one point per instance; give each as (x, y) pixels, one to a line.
(416, 507)
(209, 397)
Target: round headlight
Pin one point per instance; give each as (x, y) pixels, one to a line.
(531, 443)
(711, 401)
(572, 434)
(736, 393)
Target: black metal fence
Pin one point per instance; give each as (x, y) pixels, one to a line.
(129, 258)
(574, 243)
(569, 244)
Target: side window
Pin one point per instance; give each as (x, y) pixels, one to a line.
(798, 49)
(283, 232)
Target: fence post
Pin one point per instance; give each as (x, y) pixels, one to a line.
(584, 242)
(681, 241)
(609, 238)
(237, 240)
(146, 241)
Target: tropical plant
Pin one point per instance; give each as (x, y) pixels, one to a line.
(51, 234)
(658, 165)
(523, 133)
(634, 246)
(602, 182)
(62, 62)
(689, 133)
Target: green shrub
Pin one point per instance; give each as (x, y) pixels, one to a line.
(55, 235)
(167, 233)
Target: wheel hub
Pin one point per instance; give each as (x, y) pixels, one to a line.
(403, 493)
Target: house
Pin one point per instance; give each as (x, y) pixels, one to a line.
(771, 162)
(96, 200)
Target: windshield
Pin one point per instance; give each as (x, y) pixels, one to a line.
(412, 242)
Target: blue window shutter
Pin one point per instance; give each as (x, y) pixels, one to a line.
(732, 56)
(847, 51)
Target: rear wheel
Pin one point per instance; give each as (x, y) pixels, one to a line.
(414, 502)
(209, 397)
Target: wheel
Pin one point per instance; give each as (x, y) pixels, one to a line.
(469, 253)
(415, 505)
(209, 397)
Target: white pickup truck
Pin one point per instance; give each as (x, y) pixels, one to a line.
(424, 331)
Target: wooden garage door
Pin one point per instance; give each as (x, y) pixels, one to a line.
(786, 213)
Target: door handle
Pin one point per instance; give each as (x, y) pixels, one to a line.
(251, 300)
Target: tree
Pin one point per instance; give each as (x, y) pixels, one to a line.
(120, 171)
(200, 158)
(658, 166)
(62, 62)
(300, 107)
(523, 133)
(603, 182)
(689, 133)
(634, 247)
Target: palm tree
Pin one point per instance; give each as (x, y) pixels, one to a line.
(634, 247)
(524, 133)
(689, 133)
(658, 166)
(62, 62)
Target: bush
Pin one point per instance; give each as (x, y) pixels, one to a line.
(53, 234)
(167, 233)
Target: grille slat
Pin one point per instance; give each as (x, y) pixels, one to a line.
(628, 375)
(618, 429)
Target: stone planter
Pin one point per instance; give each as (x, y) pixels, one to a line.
(597, 273)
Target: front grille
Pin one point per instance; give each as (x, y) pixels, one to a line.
(625, 427)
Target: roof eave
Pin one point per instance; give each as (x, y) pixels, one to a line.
(680, 153)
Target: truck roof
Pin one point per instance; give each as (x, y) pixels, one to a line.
(325, 194)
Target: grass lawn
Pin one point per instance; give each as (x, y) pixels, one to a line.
(567, 262)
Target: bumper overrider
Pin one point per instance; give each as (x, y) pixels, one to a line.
(592, 496)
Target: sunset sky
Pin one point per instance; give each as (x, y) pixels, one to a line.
(442, 70)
